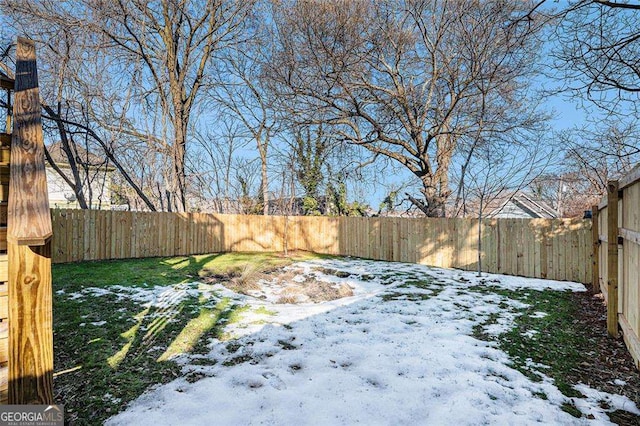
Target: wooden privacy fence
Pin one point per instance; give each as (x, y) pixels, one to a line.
(542, 248)
(617, 260)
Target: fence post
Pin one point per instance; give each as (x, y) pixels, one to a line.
(595, 253)
(29, 244)
(612, 258)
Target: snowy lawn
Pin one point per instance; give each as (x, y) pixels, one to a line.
(413, 345)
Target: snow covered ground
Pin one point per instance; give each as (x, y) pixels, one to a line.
(399, 351)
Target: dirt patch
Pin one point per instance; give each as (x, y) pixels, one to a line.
(320, 291)
(290, 285)
(611, 368)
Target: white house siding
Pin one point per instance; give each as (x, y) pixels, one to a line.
(60, 193)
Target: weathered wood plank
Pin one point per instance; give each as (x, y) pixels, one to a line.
(3, 238)
(4, 209)
(4, 388)
(544, 252)
(5, 155)
(630, 235)
(630, 339)
(4, 269)
(4, 307)
(4, 350)
(28, 199)
(612, 259)
(4, 174)
(4, 192)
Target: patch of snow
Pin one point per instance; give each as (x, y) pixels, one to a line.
(110, 398)
(393, 353)
(158, 296)
(95, 291)
(538, 315)
(75, 296)
(592, 403)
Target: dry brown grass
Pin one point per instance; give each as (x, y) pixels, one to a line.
(247, 278)
(319, 291)
(290, 295)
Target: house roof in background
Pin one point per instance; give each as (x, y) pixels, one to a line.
(525, 201)
(83, 157)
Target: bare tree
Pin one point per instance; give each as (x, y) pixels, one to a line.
(592, 155)
(239, 88)
(77, 138)
(497, 172)
(598, 46)
(152, 59)
(216, 163)
(408, 80)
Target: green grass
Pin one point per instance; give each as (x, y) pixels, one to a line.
(404, 290)
(161, 271)
(558, 343)
(109, 350)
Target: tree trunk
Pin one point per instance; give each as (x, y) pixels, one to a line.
(179, 176)
(434, 199)
(480, 237)
(264, 184)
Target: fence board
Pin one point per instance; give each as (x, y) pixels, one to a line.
(536, 248)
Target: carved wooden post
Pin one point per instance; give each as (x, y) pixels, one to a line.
(612, 258)
(29, 246)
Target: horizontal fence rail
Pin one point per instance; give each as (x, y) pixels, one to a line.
(542, 248)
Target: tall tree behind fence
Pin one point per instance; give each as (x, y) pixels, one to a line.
(555, 249)
(617, 225)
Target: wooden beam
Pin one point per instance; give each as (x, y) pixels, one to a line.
(612, 258)
(29, 221)
(630, 178)
(595, 251)
(29, 215)
(629, 235)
